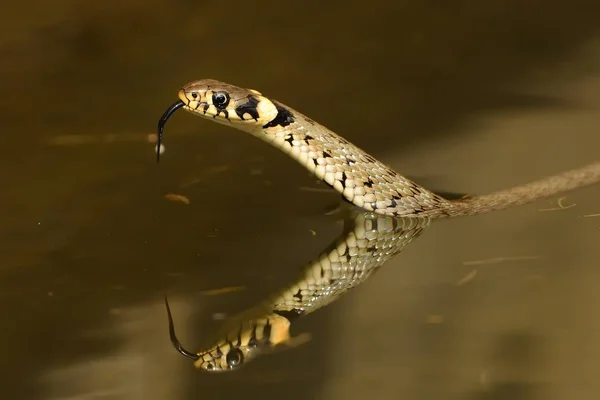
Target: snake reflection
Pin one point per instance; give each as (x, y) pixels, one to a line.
(368, 241)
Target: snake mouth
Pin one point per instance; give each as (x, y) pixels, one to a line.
(161, 124)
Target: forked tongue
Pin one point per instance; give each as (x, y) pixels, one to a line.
(161, 125)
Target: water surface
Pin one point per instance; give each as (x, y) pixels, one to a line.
(468, 97)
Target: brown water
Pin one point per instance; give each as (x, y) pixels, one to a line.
(467, 97)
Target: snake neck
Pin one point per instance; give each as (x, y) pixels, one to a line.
(359, 177)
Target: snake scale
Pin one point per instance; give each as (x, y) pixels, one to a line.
(363, 181)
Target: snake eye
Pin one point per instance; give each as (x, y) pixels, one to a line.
(194, 95)
(220, 99)
(234, 358)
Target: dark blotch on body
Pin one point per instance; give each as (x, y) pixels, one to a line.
(392, 172)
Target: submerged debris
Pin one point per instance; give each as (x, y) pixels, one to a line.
(220, 291)
(561, 206)
(498, 260)
(177, 197)
(467, 278)
(219, 316)
(206, 173)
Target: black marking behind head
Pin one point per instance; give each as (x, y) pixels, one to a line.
(161, 124)
(283, 118)
(248, 108)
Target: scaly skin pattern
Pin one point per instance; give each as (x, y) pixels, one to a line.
(357, 176)
(362, 180)
(370, 241)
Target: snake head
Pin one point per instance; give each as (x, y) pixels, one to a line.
(244, 343)
(228, 104)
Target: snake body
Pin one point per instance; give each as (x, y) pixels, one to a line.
(362, 180)
(359, 177)
(370, 241)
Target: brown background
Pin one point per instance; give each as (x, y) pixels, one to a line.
(465, 96)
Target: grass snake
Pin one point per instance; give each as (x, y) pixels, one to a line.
(373, 237)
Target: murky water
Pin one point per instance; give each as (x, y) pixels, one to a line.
(465, 97)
